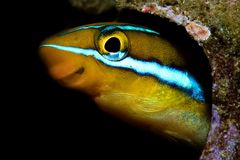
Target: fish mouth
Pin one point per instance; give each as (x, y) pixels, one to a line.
(73, 77)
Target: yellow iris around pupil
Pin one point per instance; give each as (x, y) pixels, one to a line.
(103, 38)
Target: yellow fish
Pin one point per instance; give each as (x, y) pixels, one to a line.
(133, 74)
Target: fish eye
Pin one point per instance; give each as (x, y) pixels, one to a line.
(112, 45)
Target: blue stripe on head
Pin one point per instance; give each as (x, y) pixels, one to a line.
(80, 28)
(169, 75)
(123, 27)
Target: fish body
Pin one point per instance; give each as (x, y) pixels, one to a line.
(133, 74)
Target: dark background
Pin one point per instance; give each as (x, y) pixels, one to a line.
(56, 122)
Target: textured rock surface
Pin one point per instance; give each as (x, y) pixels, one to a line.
(93, 6)
(216, 26)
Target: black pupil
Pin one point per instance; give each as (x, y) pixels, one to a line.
(112, 45)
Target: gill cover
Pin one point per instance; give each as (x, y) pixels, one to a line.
(132, 73)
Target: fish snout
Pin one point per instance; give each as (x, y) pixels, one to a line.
(60, 64)
(71, 70)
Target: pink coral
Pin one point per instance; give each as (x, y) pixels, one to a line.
(199, 32)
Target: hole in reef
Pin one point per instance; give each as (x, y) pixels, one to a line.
(148, 143)
(112, 44)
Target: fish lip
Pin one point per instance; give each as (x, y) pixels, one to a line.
(74, 74)
(80, 70)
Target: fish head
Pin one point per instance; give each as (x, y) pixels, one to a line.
(132, 73)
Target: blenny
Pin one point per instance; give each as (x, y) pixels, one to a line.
(133, 74)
